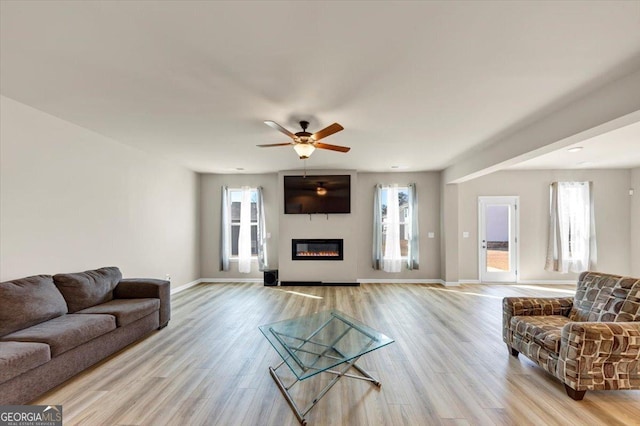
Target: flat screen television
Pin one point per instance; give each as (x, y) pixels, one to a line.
(317, 194)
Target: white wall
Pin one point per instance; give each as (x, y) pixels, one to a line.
(428, 189)
(635, 222)
(355, 228)
(72, 200)
(449, 228)
(210, 201)
(612, 211)
(342, 226)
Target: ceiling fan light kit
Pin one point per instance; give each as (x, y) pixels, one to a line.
(321, 190)
(304, 143)
(304, 150)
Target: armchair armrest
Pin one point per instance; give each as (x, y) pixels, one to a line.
(136, 288)
(599, 355)
(603, 340)
(521, 306)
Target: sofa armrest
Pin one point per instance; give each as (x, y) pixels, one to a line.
(136, 288)
(599, 355)
(522, 306)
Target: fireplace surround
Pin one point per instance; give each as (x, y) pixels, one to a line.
(317, 249)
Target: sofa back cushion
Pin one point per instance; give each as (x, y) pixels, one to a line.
(29, 301)
(606, 298)
(83, 290)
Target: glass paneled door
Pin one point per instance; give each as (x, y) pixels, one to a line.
(498, 239)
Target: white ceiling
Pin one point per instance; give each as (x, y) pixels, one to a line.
(619, 148)
(415, 84)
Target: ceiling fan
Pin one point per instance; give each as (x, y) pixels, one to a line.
(304, 143)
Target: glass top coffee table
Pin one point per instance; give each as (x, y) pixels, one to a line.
(325, 342)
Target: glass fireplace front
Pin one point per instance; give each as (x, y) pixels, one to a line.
(317, 249)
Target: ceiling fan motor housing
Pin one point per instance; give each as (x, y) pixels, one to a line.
(304, 136)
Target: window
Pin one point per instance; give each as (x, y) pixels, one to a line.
(572, 234)
(243, 236)
(395, 228)
(235, 197)
(404, 221)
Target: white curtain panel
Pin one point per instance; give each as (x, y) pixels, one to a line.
(263, 262)
(225, 230)
(244, 238)
(413, 259)
(572, 239)
(376, 259)
(392, 256)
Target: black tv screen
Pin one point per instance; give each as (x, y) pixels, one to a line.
(317, 194)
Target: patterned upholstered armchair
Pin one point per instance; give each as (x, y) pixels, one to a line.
(589, 342)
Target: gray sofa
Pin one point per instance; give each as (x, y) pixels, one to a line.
(53, 327)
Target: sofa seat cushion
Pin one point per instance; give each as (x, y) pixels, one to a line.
(83, 290)
(18, 357)
(126, 311)
(545, 330)
(29, 301)
(65, 332)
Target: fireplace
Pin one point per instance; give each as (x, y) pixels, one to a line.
(317, 249)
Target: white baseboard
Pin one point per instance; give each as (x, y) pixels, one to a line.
(375, 281)
(526, 282)
(186, 286)
(215, 280)
(414, 281)
(558, 282)
(398, 281)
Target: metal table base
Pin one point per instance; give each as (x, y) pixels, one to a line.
(300, 414)
(320, 350)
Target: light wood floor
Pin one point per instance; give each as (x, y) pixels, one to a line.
(448, 364)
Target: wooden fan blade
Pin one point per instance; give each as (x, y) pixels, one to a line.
(332, 147)
(327, 131)
(275, 144)
(278, 127)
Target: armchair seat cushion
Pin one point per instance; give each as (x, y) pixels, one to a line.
(65, 332)
(126, 311)
(545, 330)
(18, 357)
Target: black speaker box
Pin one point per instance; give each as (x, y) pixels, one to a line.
(270, 277)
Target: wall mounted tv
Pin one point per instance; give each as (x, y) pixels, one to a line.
(317, 194)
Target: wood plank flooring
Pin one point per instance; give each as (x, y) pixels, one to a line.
(448, 364)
